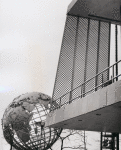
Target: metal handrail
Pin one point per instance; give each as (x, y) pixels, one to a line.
(82, 85)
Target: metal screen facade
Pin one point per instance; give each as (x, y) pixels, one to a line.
(84, 53)
(91, 53)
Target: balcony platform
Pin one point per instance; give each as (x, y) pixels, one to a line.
(99, 111)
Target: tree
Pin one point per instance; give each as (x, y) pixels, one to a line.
(71, 139)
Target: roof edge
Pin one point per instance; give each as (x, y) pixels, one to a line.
(71, 5)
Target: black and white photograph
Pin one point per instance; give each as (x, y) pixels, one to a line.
(60, 74)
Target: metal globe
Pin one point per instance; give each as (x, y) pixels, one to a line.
(23, 123)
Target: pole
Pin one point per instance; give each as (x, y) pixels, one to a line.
(116, 50)
(101, 141)
(84, 141)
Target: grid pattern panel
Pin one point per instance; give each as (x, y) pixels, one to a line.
(79, 66)
(84, 53)
(104, 51)
(91, 55)
(65, 67)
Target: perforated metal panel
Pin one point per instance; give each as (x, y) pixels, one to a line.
(104, 52)
(80, 53)
(84, 53)
(65, 67)
(91, 58)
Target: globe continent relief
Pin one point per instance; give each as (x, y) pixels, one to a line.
(24, 123)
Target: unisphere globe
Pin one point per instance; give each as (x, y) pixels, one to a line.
(23, 123)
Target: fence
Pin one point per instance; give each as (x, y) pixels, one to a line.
(80, 91)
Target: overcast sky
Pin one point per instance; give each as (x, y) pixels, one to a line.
(30, 39)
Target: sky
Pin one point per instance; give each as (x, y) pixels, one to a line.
(30, 39)
(31, 33)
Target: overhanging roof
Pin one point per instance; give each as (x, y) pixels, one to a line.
(99, 111)
(107, 10)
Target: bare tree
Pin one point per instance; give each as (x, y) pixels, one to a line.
(72, 139)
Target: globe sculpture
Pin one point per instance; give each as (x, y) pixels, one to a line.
(23, 123)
